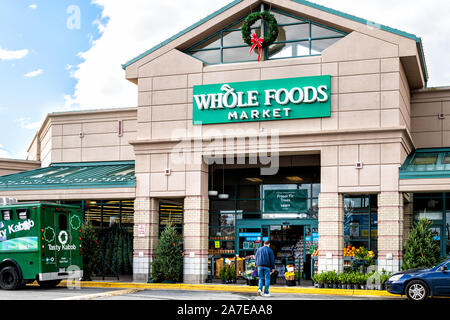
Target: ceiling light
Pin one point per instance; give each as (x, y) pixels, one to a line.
(254, 179)
(294, 179)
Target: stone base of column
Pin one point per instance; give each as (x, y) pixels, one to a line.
(389, 265)
(141, 269)
(195, 270)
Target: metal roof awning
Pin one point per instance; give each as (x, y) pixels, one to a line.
(81, 175)
(426, 164)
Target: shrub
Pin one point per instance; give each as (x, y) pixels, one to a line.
(421, 250)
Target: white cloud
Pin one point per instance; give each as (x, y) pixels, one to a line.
(33, 74)
(132, 28)
(26, 123)
(6, 55)
(33, 6)
(4, 153)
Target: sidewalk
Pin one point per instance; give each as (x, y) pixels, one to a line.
(229, 288)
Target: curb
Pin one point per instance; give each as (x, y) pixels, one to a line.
(230, 288)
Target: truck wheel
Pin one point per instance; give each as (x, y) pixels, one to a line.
(49, 283)
(10, 279)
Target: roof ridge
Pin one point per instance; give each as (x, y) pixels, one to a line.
(306, 3)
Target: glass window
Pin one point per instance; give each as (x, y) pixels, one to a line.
(289, 49)
(6, 215)
(446, 159)
(293, 32)
(285, 19)
(62, 222)
(22, 214)
(447, 231)
(361, 221)
(424, 158)
(171, 213)
(210, 43)
(208, 56)
(321, 32)
(234, 38)
(239, 54)
(302, 37)
(429, 206)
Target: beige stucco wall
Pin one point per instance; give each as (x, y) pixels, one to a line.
(10, 166)
(428, 130)
(369, 121)
(85, 136)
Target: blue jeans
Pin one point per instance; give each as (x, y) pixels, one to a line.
(264, 278)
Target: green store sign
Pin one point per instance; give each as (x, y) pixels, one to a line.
(281, 99)
(292, 201)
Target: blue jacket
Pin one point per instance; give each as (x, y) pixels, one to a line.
(265, 258)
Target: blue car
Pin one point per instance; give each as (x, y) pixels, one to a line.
(419, 284)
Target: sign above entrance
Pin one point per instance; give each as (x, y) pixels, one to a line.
(281, 99)
(278, 201)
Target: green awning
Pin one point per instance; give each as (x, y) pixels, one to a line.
(426, 164)
(78, 175)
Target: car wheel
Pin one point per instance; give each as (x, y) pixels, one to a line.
(10, 279)
(417, 290)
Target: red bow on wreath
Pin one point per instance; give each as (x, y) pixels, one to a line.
(257, 42)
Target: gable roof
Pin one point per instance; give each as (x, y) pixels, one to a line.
(306, 3)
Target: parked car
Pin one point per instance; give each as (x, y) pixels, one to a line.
(420, 284)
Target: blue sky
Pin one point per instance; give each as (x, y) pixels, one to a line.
(45, 66)
(34, 82)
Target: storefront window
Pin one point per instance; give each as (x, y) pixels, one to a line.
(171, 213)
(431, 206)
(361, 221)
(447, 230)
(259, 206)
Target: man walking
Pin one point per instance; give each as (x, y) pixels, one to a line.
(265, 262)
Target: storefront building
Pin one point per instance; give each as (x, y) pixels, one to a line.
(331, 139)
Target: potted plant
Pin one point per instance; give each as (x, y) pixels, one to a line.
(321, 279)
(315, 280)
(341, 281)
(363, 282)
(383, 278)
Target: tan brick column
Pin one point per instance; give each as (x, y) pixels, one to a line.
(390, 231)
(145, 236)
(195, 234)
(331, 232)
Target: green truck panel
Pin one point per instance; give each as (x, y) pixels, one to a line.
(42, 239)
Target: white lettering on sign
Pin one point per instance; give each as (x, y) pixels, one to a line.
(231, 99)
(26, 225)
(57, 247)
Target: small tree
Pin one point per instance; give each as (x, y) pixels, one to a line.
(168, 264)
(90, 251)
(421, 250)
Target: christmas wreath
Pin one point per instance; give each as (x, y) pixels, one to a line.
(272, 33)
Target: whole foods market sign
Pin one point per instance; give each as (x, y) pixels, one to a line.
(282, 99)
